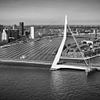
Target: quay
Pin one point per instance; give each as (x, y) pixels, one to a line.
(48, 64)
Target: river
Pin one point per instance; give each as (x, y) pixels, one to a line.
(31, 83)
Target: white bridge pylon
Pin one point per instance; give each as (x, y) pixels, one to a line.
(55, 66)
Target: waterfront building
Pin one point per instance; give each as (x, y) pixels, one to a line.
(13, 35)
(14, 27)
(4, 36)
(8, 35)
(1, 28)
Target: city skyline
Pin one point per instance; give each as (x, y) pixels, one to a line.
(49, 11)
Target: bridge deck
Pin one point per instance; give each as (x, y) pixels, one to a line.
(39, 51)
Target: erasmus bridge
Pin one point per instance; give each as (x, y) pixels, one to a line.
(42, 52)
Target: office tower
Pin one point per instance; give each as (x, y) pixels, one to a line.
(21, 28)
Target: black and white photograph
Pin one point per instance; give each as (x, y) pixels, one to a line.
(49, 49)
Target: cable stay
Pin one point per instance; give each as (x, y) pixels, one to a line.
(56, 65)
(77, 45)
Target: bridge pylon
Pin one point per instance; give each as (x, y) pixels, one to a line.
(55, 64)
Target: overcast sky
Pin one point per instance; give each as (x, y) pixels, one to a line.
(49, 11)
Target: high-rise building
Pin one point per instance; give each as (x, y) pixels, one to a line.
(14, 27)
(21, 28)
(1, 28)
(32, 32)
(4, 35)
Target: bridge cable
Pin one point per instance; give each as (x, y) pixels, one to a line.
(77, 45)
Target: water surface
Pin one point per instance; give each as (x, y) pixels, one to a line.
(31, 83)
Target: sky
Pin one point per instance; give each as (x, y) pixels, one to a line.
(49, 11)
